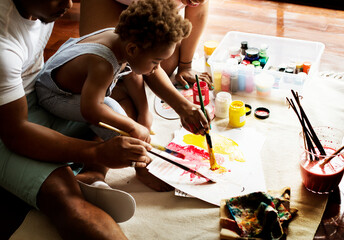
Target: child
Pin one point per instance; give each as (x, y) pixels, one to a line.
(77, 82)
(95, 16)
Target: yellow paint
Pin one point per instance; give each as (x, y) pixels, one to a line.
(221, 145)
(237, 114)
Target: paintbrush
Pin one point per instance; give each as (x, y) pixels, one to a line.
(332, 156)
(153, 151)
(213, 163)
(154, 145)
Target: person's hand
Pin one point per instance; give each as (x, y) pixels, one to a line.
(194, 120)
(187, 75)
(141, 132)
(119, 152)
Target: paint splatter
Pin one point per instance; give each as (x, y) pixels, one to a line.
(221, 145)
(197, 157)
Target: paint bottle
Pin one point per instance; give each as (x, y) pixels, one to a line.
(241, 78)
(237, 114)
(252, 54)
(234, 52)
(217, 69)
(263, 56)
(204, 92)
(209, 48)
(256, 64)
(249, 87)
(244, 47)
(306, 66)
(298, 67)
(222, 103)
(288, 78)
(225, 79)
(233, 70)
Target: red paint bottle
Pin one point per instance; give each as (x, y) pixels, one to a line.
(204, 92)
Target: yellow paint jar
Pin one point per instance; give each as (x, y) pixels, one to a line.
(237, 114)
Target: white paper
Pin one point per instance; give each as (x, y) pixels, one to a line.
(243, 178)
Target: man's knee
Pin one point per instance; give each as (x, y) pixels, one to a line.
(57, 188)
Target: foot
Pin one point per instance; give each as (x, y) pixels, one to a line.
(151, 181)
(118, 204)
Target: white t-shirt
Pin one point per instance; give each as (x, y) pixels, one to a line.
(22, 43)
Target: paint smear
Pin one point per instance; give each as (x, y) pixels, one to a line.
(221, 145)
(197, 157)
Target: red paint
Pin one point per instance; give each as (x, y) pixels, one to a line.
(196, 157)
(204, 91)
(322, 180)
(262, 113)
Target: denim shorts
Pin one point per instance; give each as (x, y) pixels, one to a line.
(23, 176)
(66, 105)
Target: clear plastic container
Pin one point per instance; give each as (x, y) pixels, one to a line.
(280, 52)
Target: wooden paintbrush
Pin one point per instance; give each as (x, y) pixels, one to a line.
(154, 145)
(213, 163)
(154, 152)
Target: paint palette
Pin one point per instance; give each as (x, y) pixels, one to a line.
(166, 111)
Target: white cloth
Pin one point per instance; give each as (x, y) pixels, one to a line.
(166, 216)
(22, 42)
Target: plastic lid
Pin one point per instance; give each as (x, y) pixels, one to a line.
(264, 80)
(244, 44)
(248, 109)
(261, 113)
(256, 63)
(252, 51)
(234, 50)
(224, 96)
(210, 46)
(263, 47)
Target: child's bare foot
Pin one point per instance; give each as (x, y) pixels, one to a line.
(151, 181)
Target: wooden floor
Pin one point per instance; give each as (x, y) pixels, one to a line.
(252, 16)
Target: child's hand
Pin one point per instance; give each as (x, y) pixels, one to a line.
(187, 75)
(194, 120)
(141, 132)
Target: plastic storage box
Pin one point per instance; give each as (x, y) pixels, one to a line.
(281, 52)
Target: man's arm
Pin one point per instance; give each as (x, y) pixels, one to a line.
(36, 141)
(41, 143)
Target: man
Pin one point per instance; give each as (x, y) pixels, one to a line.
(36, 147)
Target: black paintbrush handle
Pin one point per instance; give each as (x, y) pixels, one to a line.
(304, 116)
(181, 166)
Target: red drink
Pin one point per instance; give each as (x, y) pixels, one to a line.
(319, 179)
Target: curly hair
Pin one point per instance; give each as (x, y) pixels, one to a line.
(151, 23)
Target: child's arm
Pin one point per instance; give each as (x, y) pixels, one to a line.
(198, 17)
(191, 115)
(93, 108)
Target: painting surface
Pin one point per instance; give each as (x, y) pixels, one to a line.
(238, 152)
